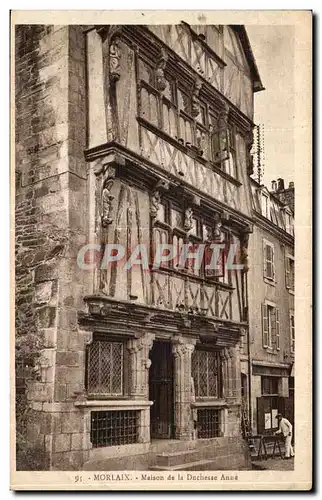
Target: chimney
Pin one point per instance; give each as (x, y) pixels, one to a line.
(274, 185)
(280, 185)
(291, 185)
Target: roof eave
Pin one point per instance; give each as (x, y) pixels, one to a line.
(243, 36)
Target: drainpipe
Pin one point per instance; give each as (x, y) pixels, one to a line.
(249, 358)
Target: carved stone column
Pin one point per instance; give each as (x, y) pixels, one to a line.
(140, 363)
(226, 371)
(182, 349)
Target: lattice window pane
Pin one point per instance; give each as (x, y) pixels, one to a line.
(105, 368)
(205, 367)
(113, 428)
(208, 423)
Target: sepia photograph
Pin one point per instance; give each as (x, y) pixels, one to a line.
(154, 177)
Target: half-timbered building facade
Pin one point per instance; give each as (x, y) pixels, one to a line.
(158, 123)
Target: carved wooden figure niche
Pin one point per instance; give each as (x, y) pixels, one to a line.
(110, 36)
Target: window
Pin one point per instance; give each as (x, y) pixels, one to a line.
(206, 368)
(230, 165)
(265, 205)
(269, 267)
(289, 224)
(208, 423)
(187, 119)
(289, 272)
(270, 327)
(269, 385)
(178, 226)
(113, 428)
(292, 331)
(105, 362)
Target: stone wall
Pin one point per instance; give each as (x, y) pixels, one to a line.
(51, 221)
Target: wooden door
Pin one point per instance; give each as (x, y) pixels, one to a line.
(161, 390)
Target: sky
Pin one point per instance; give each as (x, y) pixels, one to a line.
(273, 48)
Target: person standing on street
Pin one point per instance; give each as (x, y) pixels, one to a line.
(285, 428)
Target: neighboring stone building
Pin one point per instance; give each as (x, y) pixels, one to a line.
(135, 135)
(270, 358)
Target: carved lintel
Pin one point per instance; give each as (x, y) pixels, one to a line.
(161, 82)
(196, 200)
(243, 332)
(115, 56)
(149, 317)
(108, 165)
(162, 184)
(195, 108)
(108, 30)
(109, 172)
(188, 222)
(155, 201)
(182, 345)
(248, 229)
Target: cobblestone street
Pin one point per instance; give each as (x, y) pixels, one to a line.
(274, 464)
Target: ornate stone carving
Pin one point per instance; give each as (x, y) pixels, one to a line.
(155, 204)
(109, 172)
(208, 233)
(107, 206)
(188, 222)
(115, 55)
(163, 185)
(140, 363)
(195, 107)
(223, 117)
(182, 349)
(161, 82)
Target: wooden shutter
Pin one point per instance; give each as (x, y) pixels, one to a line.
(265, 325)
(287, 272)
(269, 268)
(273, 262)
(292, 332)
(272, 324)
(277, 317)
(264, 259)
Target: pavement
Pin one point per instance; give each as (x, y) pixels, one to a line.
(273, 464)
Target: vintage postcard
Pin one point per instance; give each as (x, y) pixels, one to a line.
(161, 240)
